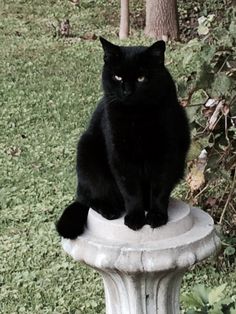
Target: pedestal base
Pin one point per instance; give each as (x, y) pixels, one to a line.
(142, 270)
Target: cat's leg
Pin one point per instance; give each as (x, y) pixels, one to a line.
(108, 204)
(158, 212)
(97, 186)
(162, 182)
(135, 217)
(129, 181)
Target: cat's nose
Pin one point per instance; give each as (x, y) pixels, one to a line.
(128, 91)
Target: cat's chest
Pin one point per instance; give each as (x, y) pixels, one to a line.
(137, 134)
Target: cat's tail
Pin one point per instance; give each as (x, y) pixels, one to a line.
(73, 220)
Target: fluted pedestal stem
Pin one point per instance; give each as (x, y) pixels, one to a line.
(142, 293)
(142, 270)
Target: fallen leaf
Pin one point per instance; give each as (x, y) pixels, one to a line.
(202, 30)
(64, 28)
(211, 102)
(225, 110)
(184, 102)
(214, 118)
(207, 112)
(14, 151)
(89, 36)
(211, 201)
(196, 177)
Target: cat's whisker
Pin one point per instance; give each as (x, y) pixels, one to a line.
(111, 98)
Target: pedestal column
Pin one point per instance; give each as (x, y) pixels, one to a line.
(142, 270)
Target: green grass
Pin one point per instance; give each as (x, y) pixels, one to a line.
(48, 89)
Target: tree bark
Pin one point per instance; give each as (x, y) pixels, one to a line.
(124, 19)
(162, 19)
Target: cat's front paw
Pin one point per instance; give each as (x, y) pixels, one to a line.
(156, 219)
(135, 220)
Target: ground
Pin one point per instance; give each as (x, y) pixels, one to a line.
(49, 88)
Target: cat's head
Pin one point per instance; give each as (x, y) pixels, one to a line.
(131, 74)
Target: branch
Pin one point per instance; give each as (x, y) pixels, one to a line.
(229, 198)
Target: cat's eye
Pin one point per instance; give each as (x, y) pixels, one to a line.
(141, 79)
(118, 78)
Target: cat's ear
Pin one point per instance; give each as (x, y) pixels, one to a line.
(158, 50)
(111, 51)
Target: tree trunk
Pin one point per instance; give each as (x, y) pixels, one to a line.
(162, 19)
(124, 19)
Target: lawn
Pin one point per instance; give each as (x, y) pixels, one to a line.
(49, 87)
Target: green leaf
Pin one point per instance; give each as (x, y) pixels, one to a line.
(222, 85)
(193, 43)
(232, 29)
(197, 299)
(202, 291)
(208, 53)
(188, 58)
(204, 141)
(199, 97)
(195, 150)
(192, 300)
(216, 294)
(191, 311)
(229, 251)
(205, 75)
(192, 111)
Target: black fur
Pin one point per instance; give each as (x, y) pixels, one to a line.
(133, 153)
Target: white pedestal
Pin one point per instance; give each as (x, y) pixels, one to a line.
(142, 270)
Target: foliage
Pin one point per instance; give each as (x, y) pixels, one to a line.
(209, 301)
(205, 70)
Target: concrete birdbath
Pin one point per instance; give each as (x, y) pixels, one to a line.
(142, 270)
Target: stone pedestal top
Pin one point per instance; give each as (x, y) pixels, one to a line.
(188, 237)
(180, 221)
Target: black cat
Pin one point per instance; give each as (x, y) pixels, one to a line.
(133, 152)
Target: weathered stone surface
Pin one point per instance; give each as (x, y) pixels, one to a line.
(142, 270)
